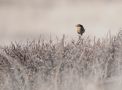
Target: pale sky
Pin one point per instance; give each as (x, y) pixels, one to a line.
(34, 17)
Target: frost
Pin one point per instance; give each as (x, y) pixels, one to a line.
(83, 64)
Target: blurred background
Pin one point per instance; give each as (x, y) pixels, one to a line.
(25, 18)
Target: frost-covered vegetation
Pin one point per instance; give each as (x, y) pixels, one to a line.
(61, 65)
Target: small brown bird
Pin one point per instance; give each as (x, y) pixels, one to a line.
(80, 29)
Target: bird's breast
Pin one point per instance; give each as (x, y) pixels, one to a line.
(78, 30)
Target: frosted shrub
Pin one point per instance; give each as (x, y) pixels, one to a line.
(47, 65)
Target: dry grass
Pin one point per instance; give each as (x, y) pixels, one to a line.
(45, 65)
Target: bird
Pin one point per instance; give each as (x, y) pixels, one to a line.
(80, 29)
